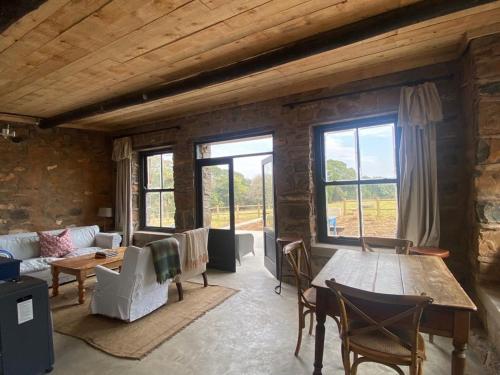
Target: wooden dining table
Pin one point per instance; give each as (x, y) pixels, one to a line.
(448, 315)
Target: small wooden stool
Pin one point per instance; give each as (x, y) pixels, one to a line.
(432, 251)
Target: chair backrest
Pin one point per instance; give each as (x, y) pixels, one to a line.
(380, 313)
(300, 261)
(184, 242)
(137, 270)
(399, 245)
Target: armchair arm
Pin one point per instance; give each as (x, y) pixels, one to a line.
(108, 240)
(105, 276)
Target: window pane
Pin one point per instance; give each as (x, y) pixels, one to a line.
(215, 196)
(340, 155)
(152, 209)
(379, 210)
(376, 152)
(244, 146)
(167, 209)
(168, 170)
(269, 195)
(342, 211)
(154, 172)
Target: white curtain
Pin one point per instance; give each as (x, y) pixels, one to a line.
(419, 110)
(122, 155)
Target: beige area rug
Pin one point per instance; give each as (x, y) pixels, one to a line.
(133, 340)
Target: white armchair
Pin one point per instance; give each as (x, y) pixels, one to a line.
(132, 293)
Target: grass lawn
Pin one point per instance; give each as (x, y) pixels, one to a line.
(379, 217)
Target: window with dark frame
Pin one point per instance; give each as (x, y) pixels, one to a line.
(357, 179)
(157, 190)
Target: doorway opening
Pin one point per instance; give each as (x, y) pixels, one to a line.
(235, 190)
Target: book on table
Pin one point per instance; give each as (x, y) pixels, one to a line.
(106, 254)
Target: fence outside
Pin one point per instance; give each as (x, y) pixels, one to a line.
(381, 207)
(379, 217)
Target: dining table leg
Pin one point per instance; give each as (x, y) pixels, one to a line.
(460, 339)
(320, 331)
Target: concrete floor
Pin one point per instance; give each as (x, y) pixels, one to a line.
(252, 333)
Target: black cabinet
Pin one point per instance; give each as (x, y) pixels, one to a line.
(26, 346)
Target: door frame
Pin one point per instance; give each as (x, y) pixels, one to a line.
(200, 163)
(275, 219)
(229, 137)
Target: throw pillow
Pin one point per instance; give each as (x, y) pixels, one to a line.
(55, 245)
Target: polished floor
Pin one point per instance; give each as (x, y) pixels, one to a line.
(252, 333)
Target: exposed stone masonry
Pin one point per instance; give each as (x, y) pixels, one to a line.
(294, 154)
(481, 96)
(54, 179)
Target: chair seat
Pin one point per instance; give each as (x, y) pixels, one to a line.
(375, 342)
(310, 295)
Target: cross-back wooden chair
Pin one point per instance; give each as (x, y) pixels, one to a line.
(399, 245)
(300, 262)
(382, 328)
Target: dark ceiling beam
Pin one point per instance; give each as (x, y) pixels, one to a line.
(319, 43)
(16, 118)
(11, 11)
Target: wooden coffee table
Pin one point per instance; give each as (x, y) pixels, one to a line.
(81, 267)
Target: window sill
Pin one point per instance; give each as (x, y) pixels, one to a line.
(327, 249)
(141, 237)
(153, 232)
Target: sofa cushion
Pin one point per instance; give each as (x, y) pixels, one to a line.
(81, 236)
(22, 245)
(36, 264)
(108, 240)
(46, 275)
(55, 245)
(43, 263)
(83, 251)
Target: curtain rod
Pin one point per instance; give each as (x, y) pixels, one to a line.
(293, 104)
(148, 132)
(446, 77)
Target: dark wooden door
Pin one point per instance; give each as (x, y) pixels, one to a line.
(215, 207)
(269, 216)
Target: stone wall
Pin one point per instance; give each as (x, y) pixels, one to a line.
(481, 99)
(54, 179)
(293, 149)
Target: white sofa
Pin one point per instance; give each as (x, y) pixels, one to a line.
(26, 247)
(133, 292)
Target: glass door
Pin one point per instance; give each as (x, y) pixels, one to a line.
(269, 217)
(215, 189)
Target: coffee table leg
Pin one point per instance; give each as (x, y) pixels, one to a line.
(55, 281)
(81, 287)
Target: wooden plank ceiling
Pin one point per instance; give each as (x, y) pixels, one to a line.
(67, 54)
